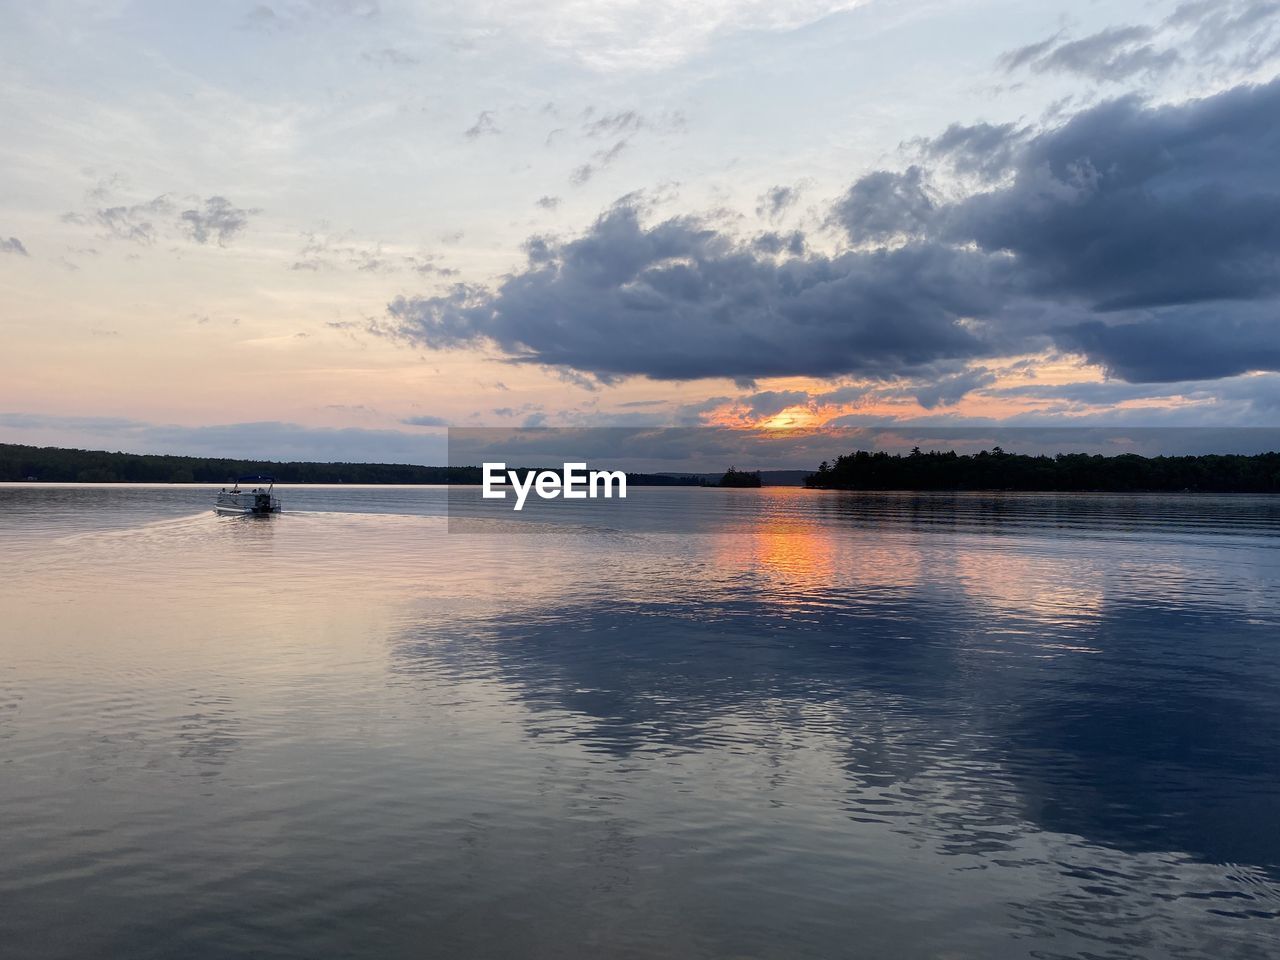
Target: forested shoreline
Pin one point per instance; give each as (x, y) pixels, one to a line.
(61, 465)
(997, 470)
(862, 470)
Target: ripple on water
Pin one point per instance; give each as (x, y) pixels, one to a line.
(866, 725)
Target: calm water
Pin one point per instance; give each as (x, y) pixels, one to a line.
(817, 726)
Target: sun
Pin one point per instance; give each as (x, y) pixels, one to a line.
(792, 418)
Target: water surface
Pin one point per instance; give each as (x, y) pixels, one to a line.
(754, 723)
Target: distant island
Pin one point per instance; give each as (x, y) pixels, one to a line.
(996, 470)
(733, 477)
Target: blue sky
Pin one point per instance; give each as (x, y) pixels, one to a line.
(336, 225)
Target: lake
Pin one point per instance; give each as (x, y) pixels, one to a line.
(784, 724)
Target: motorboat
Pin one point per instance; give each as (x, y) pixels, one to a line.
(257, 501)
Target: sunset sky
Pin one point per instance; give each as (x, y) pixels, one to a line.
(326, 229)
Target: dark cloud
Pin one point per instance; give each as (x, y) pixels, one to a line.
(950, 390)
(13, 245)
(1181, 345)
(1145, 238)
(984, 149)
(548, 202)
(769, 402)
(219, 221)
(776, 243)
(883, 206)
(1131, 206)
(680, 300)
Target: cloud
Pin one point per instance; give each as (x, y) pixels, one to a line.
(132, 222)
(548, 202)
(425, 421)
(982, 149)
(658, 34)
(1110, 55)
(484, 125)
(1129, 206)
(616, 124)
(219, 220)
(213, 219)
(323, 251)
(621, 127)
(680, 300)
(1241, 34)
(775, 243)
(1226, 37)
(776, 201)
(883, 205)
(1181, 345)
(1145, 238)
(600, 160)
(294, 14)
(13, 245)
(948, 391)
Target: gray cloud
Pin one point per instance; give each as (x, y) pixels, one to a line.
(1110, 55)
(777, 243)
(219, 220)
(882, 206)
(322, 252)
(1130, 206)
(13, 245)
(134, 222)
(680, 300)
(214, 219)
(620, 126)
(600, 159)
(425, 421)
(1225, 36)
(1181, 344)
(1145, 238)
(485, 124)
(1240, 34)
(776, 201)
(950, 390)
(984, 149)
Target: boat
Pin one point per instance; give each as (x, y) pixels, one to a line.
(256, 502)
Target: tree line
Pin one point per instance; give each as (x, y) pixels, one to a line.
(997, 470)
(60, 465)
